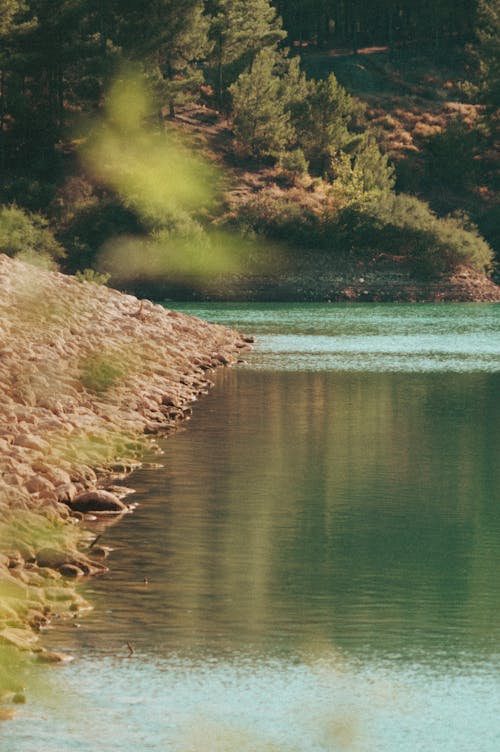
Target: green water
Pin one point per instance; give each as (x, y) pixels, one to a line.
(321, 552)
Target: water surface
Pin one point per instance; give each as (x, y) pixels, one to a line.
(316, 565)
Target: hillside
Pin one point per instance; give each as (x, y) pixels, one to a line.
(358, 146)
(408, 104)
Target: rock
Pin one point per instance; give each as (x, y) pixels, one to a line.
(22, 639)
(29, 441)
(98, 501)
(220, 358)
(168, 401)
(70, 570)
(27, 552)
(52, 558)
(15, 560)
(38, 484)
(66, 492)
(120, 491)
(83, 473)
(59, 594)
(11, 479)
(52, 656)
(100, 552)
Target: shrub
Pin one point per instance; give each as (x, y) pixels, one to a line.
(91, 225)
(451, 156)
(406, 226)
(281, 219)
(100, 371)
(90, 275)
(294, 162)
(381, 223)
(27, 235)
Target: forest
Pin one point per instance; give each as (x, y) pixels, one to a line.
(263, 68)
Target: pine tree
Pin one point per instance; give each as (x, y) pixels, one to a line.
(487, 50)
(240, 30)
(261, 115)
(322, 123)
(9, 9)
(183, 53)
(170, 39)
(362, 170)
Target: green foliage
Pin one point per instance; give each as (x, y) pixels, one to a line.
(380, 223)
(406, 226)
(261, 119)
(28, 237)
(99, 372)
(32, 193)
(372, 166)
(85, 226)
(283, 220)
(358, 175)
(487, 49)
(451, 156)
(294, 162)
(240, 29)
(92, 276)
(322, 124)
(8, 11)
(170, 39)
(56, 61)
(438, 25)
(264, 97)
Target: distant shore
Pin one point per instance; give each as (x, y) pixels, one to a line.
(85, 373)
(353, 283)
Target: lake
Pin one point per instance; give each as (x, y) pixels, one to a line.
(315, 566)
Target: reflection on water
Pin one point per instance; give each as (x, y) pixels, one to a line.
(314, 568)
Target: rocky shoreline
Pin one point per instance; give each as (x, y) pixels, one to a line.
(324, 281)
(86, 373)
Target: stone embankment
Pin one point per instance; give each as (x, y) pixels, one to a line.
(85, 373)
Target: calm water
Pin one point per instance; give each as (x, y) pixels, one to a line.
(321, 552)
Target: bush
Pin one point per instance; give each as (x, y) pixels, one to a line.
(93, 223)
(294, 162)
(387, 223)
(27, 235)
(406, 226)
(283, 220)
(451, 156)
(101, 371)
(90, 275)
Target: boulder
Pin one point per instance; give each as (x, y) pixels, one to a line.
(38, 484)
(29, 441)
(71, 570)
(98, 501)
(53, 558)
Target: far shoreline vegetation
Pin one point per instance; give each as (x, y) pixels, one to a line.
(354, 146)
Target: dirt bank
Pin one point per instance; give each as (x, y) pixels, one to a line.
(320, 280)
(85, 373)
